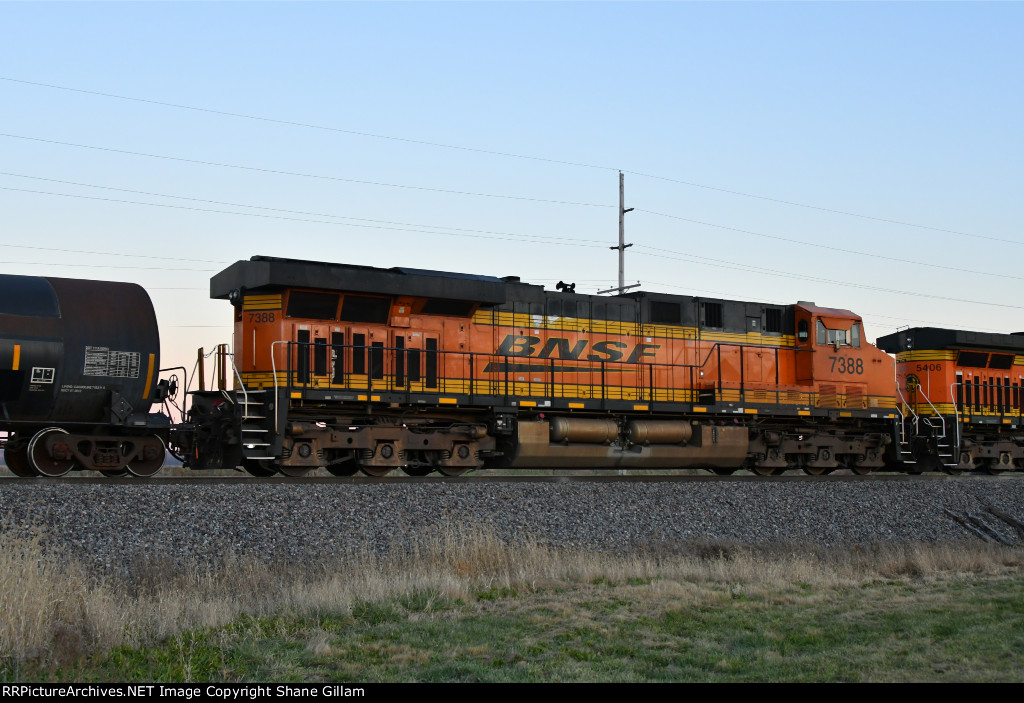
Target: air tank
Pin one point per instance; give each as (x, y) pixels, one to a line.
(75, 351)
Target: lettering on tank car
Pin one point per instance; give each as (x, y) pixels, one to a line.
(42, 375)
(103, 361)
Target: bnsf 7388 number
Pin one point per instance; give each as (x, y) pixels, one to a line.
(845, 364)
(261, 317)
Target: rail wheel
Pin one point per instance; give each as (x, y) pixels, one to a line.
(723, 470)
(993, 467)
(817, 470)
(256, 467)
(453, 470)
(767, 470)
(154, 453)
(16, 458)
(41, 460)
(294, 471)
(114, 473)
(418, 470)
(861, 470)
(376, 471)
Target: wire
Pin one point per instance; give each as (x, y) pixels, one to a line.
(304, 175)
(829, 248)
(491, 152)
(294, 212)
(307, 125)
(511, 238)
(706, 261)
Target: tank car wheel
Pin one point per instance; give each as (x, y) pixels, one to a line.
(40, 458)
(154, 454)
(17, 461)
(114, 473)
(767, 470)
(723, 470)
(861, 470)
(255, 467)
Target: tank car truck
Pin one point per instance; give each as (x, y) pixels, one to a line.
(79, 364)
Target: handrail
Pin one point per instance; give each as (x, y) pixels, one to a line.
(548, 367)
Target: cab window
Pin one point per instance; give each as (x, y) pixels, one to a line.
(838, 337)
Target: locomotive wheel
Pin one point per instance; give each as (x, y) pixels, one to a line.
(17, 461)
(818, 470)
(452, 470)
(376, 471)
(723, 470)
(255, 467)
(294, 471)
(993, 467)
(861, 470)
(767, 470)
(40, 458)
(157, 453)
(418, 470)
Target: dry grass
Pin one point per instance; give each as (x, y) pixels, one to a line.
(52, 612)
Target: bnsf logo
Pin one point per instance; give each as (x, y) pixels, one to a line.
(522, 345)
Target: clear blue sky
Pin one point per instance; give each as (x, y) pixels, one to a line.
(891, 112)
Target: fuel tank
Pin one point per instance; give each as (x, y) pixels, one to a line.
(75, 351)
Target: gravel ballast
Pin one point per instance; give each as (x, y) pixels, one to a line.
(113, 526)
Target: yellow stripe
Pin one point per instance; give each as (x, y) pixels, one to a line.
(640, 407)
(576, 405)
(448, 401)
(524, 321)
(296, 395)
(149, 375)
(803, 412)
(750, 411)
(698, 409)
(17, 358)
(926, 355)
(528, 403)
(845, 414)
(261, 302)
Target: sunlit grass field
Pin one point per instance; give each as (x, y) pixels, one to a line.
(472, 608)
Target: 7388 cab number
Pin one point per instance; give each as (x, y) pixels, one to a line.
(846, 364)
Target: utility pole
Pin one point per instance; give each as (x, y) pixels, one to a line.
(622, 240)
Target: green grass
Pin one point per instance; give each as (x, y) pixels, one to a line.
(954, 629)
(474, 608)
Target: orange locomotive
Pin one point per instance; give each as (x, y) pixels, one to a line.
(357, 368)
(960, 397)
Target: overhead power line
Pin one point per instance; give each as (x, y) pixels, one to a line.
(512, 238)
(507, 154)
(432, 228)
(307, 125)
(302, 175)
